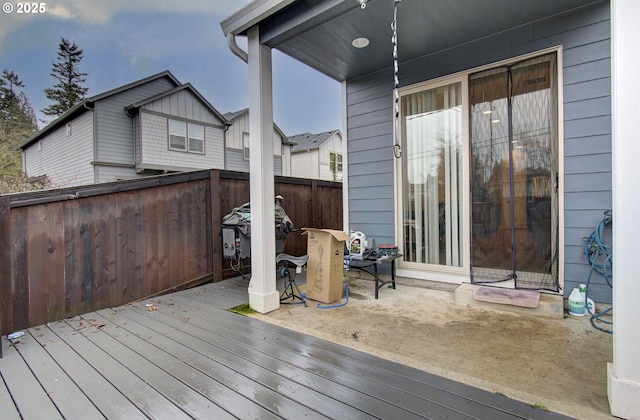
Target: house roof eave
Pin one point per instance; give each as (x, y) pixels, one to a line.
(231, 116)
(88, 104)
(250, 15)
(186, 86)
(316, 141)
(79, 109)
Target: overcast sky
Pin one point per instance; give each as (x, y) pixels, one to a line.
(127, 40)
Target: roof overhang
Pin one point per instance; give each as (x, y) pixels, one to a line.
(88, 104)
(252, 14)
(320, 33)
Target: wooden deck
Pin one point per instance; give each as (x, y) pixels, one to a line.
(185, 355)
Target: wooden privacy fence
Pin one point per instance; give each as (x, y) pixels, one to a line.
(76, 250)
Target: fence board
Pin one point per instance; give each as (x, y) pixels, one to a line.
(72, 264)
(214, 226)
(297, 203)
(152, 237)
(85, 254)
(5, 262)
(163, 239)
(36, 220)
(104, 258)
(19, 271)
(126, 248)
(199, 229)
(86, 248)
(109, 250)
(54, 261)
(175, 247)
(139, 245)
(184, 216)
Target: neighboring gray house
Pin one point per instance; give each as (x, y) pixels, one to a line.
(500, 150)
(237, 145)
(151, 126)
(317, 156)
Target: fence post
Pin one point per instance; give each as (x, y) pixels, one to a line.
(314, 204)
(216, 225)
(5, 260)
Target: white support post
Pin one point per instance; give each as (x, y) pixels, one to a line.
(345, 160)
(263, 296)
(624, 373)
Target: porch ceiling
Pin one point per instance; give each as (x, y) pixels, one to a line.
(320, 33)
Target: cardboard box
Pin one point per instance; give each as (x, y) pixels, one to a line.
(325, 248)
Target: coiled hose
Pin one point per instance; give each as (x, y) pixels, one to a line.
(599, 256)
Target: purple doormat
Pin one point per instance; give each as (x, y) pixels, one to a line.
(523, 298)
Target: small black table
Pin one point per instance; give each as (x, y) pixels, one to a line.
(365, 264)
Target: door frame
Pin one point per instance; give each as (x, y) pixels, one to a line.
(458, 275)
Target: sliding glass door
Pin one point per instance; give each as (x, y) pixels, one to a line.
(478, 176)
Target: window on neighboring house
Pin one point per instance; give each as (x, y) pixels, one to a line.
(245, 146)
(177, 135)
(186, 137)
(196, 138)
(335, 162)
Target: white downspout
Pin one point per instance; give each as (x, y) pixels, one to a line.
(345, 159)
(235, 48)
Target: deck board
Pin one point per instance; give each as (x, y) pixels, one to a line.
(31, 401)
(168, 354)
(159, 367)
(401, 376)
(7, 407)
(231, 355)
(185, 355)
(318, 377)
(64, 393)
(104, 395)
(105, 355)
(382, 384)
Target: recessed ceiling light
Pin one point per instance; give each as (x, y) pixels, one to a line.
(360, 42)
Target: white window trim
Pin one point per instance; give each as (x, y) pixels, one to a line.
(437, 272)
(246, 148)
(187, 137)
(203, 139)
(336, 154)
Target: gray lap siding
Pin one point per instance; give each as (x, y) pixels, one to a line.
(584, 35)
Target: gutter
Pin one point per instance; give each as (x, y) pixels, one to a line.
(79, 108)
(250, 15)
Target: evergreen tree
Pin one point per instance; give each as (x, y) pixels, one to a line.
(68, 90)
(9, 82)
(17, 119)
(17, 124)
